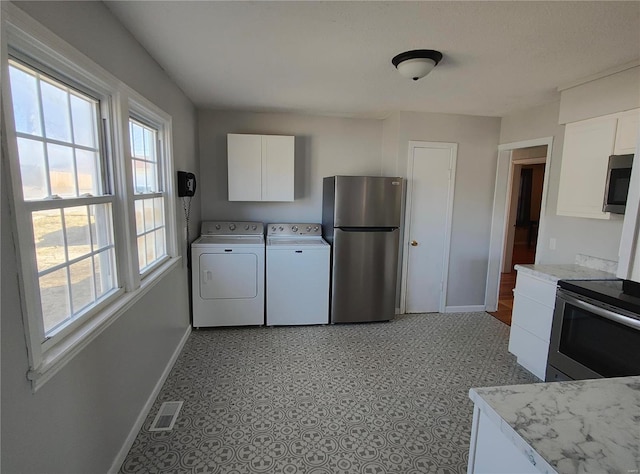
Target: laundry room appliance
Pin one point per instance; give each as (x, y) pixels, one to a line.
(228, 263)
(297, 275)
(361, 220)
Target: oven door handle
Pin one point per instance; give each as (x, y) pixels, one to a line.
(605, 313)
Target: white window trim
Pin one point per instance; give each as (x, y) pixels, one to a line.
(139, 107)
(26, 35)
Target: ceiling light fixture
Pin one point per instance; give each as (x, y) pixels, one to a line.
(417, 63)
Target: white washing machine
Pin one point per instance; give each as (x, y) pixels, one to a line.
(228, 262)
(297, 275)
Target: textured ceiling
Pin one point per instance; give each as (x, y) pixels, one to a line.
(335, 57)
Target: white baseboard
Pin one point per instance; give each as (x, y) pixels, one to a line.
(122, 454)
(464, 309)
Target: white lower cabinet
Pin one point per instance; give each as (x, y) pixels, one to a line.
(533, 304)
(492, 452)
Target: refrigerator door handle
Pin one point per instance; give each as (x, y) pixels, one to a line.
(367, 229)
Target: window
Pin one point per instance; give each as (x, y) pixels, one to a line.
(63, 186)
(148, 198)
(90, 167)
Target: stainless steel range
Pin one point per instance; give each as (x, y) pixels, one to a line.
(595, 331)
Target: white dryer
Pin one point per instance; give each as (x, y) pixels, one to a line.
(297, 275)
(228, 262)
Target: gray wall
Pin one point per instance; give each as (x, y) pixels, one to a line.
(79, 420)
(595, 237)
(328, 146)
(477, 139)
(324, 146)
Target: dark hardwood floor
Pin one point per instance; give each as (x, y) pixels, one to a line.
(522, 254)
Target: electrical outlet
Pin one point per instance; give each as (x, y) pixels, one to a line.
(552, 243)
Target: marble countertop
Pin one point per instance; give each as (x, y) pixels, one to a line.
(571, 271)
(585, 426)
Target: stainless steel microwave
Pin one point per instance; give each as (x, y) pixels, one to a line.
(617, 187)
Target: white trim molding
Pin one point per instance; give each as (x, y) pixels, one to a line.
(472, 308)
(500, 214)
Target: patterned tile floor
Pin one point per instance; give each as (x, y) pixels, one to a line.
(365, 398)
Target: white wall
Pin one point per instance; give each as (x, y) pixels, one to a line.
(78, 421)
(598, 238)
(477, 139)
(324, 146)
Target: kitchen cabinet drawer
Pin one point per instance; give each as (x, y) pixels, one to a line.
(533, 316)
(530, 350)
(542, 291)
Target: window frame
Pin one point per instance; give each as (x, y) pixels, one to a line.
(35, 46)
(148, 114)
(34, 205)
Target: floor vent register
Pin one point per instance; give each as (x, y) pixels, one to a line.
(166, 417)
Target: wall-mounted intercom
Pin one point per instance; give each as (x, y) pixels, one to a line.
(186, 184)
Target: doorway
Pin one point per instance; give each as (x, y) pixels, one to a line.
(517, 228)
(431, 177)
(522, 227)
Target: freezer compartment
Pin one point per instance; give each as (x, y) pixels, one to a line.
(362, 201)
(364, 274)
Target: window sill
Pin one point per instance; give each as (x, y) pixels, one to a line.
(58, 356)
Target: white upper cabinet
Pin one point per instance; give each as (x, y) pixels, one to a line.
(585, 159)
(627, 132)
(245, 167)
(260, 167)
(277, 168)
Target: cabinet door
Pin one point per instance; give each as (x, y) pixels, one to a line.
(585, 158)
(244, 158)
(277, 168)
(627, 132)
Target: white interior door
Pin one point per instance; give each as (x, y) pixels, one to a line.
(430, 201)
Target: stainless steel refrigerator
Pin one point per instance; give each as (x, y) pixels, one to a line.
(361, 220)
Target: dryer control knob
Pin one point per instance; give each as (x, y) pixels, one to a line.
(232, 227)
(254, 227)
(308, 228)
(294, 228)
(217, 226)
(273, 228)
(315, 229)
(246, 227)
(281, 228)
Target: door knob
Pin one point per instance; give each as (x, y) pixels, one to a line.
(414, 243)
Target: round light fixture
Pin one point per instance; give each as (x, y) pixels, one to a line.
(417, 63)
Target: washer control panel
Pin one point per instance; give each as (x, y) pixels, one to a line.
(231, 228)
(285, 230)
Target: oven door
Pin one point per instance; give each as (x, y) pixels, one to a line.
(589, 340)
